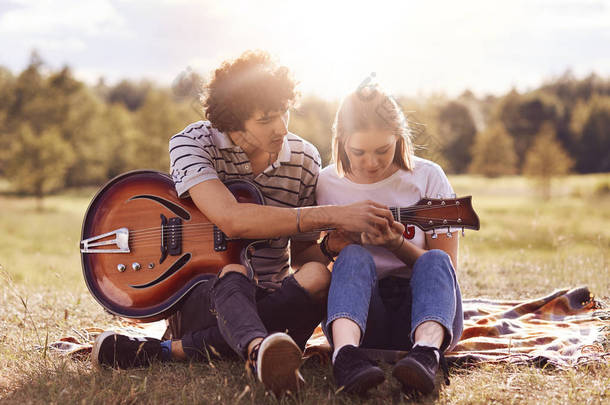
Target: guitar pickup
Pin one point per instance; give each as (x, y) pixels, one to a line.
(174, 236)
(121, 241)
(171, 237)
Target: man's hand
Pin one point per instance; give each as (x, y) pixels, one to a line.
(364, 216)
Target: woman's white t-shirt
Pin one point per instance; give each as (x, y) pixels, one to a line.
(401, 189)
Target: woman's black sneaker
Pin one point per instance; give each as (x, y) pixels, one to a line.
(120, 351)
(417, 370)
(355, 372)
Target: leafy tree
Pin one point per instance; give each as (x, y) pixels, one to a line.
(493, 153)
(38, 163)
(117, 135)
(131, 95)
(156, 121)
(7, 85)
(546, 159)
(590, 125)
(77, 113)
(423, 122)
(458, 130)
(28, 103)
(523, 116)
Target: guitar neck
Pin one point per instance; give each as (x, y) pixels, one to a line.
(427, 214)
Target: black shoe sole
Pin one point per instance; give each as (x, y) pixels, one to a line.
(366, 380)
(413, 376)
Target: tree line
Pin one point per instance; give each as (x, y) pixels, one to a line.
(58, 132)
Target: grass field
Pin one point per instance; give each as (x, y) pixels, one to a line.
(526, 247)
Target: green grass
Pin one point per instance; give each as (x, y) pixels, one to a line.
(526, 247)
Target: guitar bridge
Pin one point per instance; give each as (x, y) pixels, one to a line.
(121, 241)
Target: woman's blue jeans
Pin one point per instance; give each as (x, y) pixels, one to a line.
(389, 310)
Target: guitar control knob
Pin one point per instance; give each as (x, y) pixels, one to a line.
(151, 265)
(120, 268)
(136, 266)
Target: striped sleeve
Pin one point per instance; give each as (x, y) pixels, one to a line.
(191, 158)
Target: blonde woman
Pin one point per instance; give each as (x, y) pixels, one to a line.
(395, 288)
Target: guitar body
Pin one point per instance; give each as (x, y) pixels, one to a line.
(143, 248)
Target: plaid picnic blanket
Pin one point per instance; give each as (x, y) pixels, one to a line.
(563, 329)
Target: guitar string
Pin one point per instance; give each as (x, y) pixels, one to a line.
(196, 232)
(199, 238)
(207, 226)
(152, 234)
(403, 211)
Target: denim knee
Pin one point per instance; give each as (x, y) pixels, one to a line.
(434, 256)
(353, 278)
(354, 258)
(436, 295)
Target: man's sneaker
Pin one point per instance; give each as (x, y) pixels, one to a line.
(276, 361)
(417, 370)
(355, 372)
(120, 351)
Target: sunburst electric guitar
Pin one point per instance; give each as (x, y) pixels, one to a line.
(143, 248)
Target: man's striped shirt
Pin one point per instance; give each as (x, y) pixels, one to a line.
(200, 152)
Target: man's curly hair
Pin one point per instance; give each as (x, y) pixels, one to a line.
(241, 86)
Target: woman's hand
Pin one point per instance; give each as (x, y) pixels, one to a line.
(388, 236)
(339, 239)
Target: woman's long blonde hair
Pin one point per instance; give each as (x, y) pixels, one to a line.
(370, 108)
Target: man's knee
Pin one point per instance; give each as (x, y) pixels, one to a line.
(314, 277)
(236, 268)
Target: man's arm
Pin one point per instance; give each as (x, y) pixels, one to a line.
(252, 221)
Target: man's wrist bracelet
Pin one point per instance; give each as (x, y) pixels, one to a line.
(324, 248)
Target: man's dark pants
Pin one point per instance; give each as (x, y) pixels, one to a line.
(222, 315)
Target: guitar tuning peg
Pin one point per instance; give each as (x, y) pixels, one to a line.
(463, 234)
(449, 235)
(453, 195)
(434, 235)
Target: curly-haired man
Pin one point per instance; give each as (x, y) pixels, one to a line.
(264, 315)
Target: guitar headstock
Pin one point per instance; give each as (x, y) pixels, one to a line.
(441, 213)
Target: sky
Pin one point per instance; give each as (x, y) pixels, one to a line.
(413, 47)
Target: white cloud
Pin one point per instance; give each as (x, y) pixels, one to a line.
(54, 17)
(331, 45)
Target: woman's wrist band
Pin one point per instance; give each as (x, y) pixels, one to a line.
(324, 248)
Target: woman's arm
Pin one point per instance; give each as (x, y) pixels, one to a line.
(445, 243)
(391, 237)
